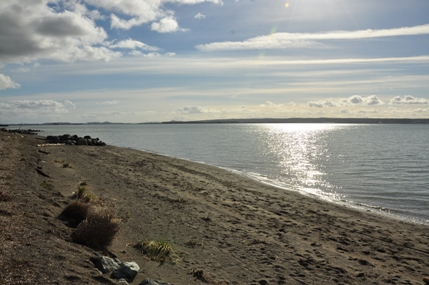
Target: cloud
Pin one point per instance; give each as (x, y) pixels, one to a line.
(133, 44)
(112, 102)
(408, 99)
(197, 110)
(199, 16)
(321, 104)
(31, 30)
(166, 25)
(24, 110)
(137, 13)
(310, 40)
(6, 83)
(351, 101)
(271, 104)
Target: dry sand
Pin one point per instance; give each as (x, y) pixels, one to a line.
(236, 230)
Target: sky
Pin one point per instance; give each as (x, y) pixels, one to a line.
(138, 61)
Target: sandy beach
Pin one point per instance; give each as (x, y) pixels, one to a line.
(234, 229)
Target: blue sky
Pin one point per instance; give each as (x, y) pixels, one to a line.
(161, 60)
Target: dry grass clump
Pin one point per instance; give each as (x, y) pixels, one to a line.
(157, 250)
(97, 231)
(75, 213)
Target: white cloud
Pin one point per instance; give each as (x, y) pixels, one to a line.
(141, 12)
(310, 40)
(408, 99)
(112, 102)
(271, 104)
(321, 104)
(25, 110)
(6, 83)
(199, 16)
(353, 100)
(133, 44)
(31, 30)
(166, 25)
(197, 110)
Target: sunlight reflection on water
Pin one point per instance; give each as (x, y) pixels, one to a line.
(299, 150)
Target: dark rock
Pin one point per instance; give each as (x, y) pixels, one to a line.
(75, 140)
(148, 281)
(82, 142)
(127, 271)
(120, 270)
(106, 264)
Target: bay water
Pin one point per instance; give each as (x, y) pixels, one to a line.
(376, 167)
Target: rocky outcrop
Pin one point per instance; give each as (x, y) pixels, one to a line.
(21, 131)
(75, 140)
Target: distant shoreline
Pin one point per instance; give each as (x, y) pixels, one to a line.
(307, 120)
(262, 121)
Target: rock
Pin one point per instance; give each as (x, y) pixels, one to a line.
(82, 142)
(426, 280)
(127, 271)
(148, 281)
(75, 140)
(124, 271)
(106, 264)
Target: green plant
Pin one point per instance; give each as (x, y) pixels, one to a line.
(46, 185)
(75, 213)
(81, 191)
(97, 231)
(156, 250)
(89, 197)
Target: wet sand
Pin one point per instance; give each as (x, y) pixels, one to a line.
(234, 229)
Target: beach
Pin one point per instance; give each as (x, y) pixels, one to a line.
(234, 229)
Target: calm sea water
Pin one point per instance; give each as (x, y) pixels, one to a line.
(381, 168)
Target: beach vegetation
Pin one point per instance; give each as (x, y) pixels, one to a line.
(46, 185)
(97, 231)
(75, 213)
(158, 250)
(81, 191)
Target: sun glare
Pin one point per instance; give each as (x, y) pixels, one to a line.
(287, 5)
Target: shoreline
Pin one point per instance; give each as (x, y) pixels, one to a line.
(233, 228)
(377, 210)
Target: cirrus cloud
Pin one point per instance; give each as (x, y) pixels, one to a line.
(310, 40)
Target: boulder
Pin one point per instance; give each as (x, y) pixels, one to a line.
(75, 140)
(106, 264)
(127, 271)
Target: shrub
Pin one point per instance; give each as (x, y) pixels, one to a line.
(156, 250)
(97, 231)
(80, 192)
(75, 213)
